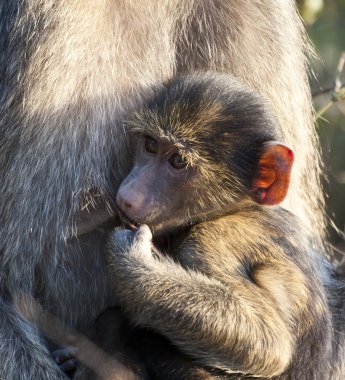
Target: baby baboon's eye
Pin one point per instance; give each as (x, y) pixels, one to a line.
(151, 145)
(177, 161)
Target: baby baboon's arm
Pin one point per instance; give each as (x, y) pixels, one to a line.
(230, 323)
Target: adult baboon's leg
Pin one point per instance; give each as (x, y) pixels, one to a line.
(23, 353)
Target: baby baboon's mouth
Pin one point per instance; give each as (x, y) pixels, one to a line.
(124, 218)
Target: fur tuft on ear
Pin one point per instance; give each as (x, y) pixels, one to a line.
(271, 181)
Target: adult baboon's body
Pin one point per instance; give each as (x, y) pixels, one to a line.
(69, 71)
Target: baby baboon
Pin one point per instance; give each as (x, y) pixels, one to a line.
(237, 284)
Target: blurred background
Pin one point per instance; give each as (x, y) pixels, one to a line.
(325, 23)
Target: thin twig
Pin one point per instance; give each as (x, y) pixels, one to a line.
(338, 89)
(324, 90)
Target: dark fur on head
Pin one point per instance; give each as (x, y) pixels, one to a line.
(217, 123)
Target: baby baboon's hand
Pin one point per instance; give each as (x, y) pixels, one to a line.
(136, 244)
(142, 243)
(121, 240)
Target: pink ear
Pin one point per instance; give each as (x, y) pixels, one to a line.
(271, 181)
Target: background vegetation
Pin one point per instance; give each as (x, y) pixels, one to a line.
(325, 22)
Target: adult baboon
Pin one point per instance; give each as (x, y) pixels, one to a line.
(69, 71)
